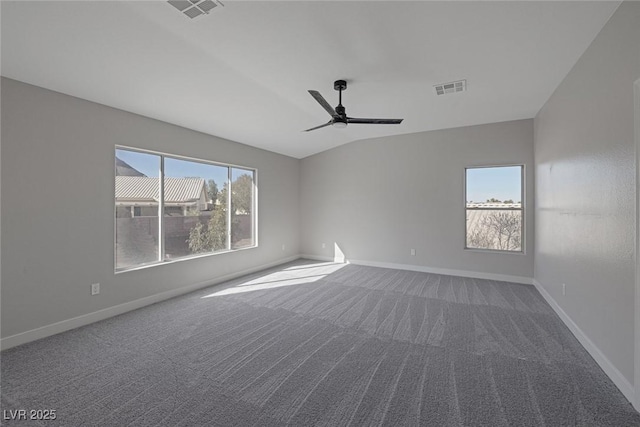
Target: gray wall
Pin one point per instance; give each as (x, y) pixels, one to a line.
(57, 206)
(376, 199)
(585, 190)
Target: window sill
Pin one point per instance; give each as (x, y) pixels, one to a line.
(495, 251)
(176, 260)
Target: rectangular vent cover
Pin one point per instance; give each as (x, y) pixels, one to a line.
(453, 87)
(194, 8)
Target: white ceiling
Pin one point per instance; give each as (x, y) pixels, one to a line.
(243, 71)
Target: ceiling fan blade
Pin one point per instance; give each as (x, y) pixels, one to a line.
(321, 126)
(375, 121)
(323, 102)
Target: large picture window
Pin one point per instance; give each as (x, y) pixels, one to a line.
(494, 208)
(169, 208)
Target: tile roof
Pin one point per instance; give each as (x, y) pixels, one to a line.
(142, 188)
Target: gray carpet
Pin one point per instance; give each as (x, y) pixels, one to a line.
(322, 344)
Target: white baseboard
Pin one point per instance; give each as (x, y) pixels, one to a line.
(425, 269)
(612, 372)
(323, 258)
(447, 272)
(86, 319)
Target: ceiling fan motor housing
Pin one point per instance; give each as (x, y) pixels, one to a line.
(340, 85)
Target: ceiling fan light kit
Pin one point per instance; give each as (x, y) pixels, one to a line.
(339, 118)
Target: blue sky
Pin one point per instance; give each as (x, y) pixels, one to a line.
(149, 164)
(502, 183)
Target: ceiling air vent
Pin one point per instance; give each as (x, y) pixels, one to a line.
(453, 87)
(194, 8)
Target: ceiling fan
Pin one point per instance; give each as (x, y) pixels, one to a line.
(339, 118)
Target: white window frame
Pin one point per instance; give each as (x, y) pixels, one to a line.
(522, 209)
(161, 237)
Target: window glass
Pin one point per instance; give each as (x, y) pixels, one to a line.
(242, 233)
(194, 200)
(494, 209)
(195, 219)
(136, 197)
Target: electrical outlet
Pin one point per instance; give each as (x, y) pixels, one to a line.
(283, 247)
(324, 246)
(564, 289)
(95, 288)
(413, 252)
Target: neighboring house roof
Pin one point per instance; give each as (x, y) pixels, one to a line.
(145, 189)
(125, 169)
(494, 205)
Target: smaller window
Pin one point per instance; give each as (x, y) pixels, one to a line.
(494, 208)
